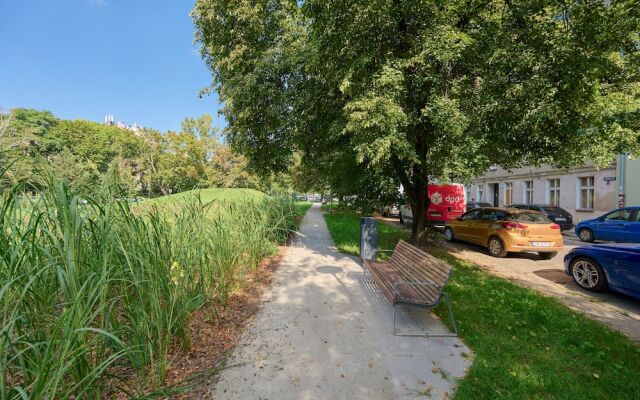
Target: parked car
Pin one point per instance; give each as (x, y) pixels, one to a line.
(503, 230)
(446, 202)
(556, 214)
(315, 198)
(301, 197)
(606, 266)
(391, 211)
(621, 225)
(475, 204)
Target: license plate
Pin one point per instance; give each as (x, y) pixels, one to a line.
(435, 214)
(541, 244)
(561, 220)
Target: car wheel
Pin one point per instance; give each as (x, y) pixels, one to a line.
(588, 274)
(547, 255)
(448, 234)
(496, 247)
(585, 235)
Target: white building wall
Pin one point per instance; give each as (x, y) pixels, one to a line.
(604, 188)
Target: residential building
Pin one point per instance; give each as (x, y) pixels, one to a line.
(135, 128)
(628, 179)
(586, 192)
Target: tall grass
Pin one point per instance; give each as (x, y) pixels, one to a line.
(93, 292)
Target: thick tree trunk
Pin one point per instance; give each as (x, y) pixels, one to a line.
(419, 207)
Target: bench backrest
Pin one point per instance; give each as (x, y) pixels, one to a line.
(424, 265)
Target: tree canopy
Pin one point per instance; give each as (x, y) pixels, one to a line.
(91, 156)
(372, 92)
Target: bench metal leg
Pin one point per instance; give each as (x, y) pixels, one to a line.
(453, 324)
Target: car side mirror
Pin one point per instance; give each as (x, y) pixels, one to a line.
(601, 218)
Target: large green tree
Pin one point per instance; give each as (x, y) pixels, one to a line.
(413, 90)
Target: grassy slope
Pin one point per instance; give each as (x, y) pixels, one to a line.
(208, 195)
(527, 346)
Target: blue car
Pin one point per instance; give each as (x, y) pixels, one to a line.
(621, 225)
(601, 266)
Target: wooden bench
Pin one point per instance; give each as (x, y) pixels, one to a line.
(412, 277)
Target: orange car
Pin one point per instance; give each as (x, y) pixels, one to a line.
(503, 230)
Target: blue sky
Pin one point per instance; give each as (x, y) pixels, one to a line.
(87, 58)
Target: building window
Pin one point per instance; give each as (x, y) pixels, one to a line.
(586, 192)
(528, 192)
(508, 193)
(553, 192)
(480, 192)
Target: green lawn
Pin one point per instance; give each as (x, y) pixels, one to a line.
(527, 346)
(345, 232)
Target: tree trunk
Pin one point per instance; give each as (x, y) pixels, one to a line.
(419, 207)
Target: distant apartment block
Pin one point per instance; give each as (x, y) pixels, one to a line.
(135, 128)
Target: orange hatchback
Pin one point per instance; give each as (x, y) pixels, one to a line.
(503, 230)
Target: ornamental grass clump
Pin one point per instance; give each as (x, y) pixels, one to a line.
(95, 292)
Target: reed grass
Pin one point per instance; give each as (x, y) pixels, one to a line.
(93, 292)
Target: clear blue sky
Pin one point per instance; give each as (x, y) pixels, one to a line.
(87, 58)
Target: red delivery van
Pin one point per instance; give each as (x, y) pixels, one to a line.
(447, 202)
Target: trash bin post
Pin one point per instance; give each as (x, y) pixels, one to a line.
(368, 238)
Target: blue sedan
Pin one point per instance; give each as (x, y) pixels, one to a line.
(621, 225)
(602, 266)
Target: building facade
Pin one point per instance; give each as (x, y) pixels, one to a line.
(586, 192)
(629, 181)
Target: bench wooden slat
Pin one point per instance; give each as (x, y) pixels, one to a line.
(423, 258)
(420, 255)
(431, 292)
(409, 264)
(386, 276)
(424, 269)
(415, 255)
(427, 272)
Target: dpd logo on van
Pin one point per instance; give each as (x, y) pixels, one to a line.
(436, 198)
(453, 199)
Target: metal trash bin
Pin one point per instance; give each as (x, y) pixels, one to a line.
(368, 238)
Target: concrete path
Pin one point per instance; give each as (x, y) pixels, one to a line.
(325, 333)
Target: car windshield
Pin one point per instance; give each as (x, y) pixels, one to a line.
(531, 218)
(552, 209)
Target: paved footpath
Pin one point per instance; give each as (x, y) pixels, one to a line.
(325, 333)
